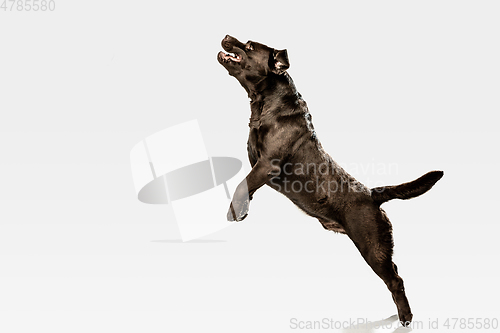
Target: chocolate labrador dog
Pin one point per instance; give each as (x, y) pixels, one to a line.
(286, 155)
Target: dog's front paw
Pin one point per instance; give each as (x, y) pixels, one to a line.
(238, 211)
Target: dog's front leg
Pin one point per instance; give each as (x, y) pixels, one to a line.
(258, 176)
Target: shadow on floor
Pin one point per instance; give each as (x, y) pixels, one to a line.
(378, 326)
(191, 241)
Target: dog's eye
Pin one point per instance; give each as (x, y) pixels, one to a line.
(249, 47)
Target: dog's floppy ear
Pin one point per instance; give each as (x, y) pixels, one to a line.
(280, 62)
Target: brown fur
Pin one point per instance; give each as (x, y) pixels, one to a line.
(284, 152)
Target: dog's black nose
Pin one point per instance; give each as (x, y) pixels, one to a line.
(227, 43)
(228, 40)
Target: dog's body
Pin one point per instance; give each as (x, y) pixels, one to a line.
(286, 154)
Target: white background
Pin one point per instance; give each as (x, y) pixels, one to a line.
(409, 84)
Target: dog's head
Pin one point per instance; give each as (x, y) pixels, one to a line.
(251, 63)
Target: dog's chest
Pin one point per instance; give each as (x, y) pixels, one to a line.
(258, 139)
(255, 136)
(254, 145)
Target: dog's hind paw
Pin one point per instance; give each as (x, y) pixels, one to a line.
(238, 211)
(405, 320)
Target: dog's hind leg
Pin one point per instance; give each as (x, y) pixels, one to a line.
(371, 232)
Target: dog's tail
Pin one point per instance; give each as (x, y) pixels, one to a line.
(407, 190)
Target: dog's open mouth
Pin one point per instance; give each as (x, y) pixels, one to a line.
(226, 57)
